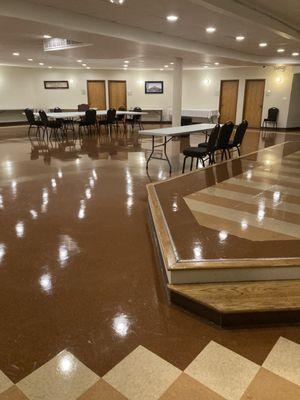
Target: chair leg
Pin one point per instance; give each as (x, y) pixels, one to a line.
(183, 167)
(197, 163)
(192, 162)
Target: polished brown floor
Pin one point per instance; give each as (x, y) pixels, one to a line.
(77, 264)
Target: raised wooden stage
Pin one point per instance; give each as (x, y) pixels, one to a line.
(229, 237)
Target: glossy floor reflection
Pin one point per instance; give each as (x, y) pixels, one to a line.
(77, 265)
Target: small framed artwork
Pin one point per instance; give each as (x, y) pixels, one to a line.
(154, 87)
(56, 84)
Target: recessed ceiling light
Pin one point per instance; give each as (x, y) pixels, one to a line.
(47, 37)
(172, 63)
(263, 44)
(216, 63)
(16, 54)
(166, 66)
(210, 29)
(50, 67)
(295, 54)
(88, 67)
(84, 65)
(41, 63)
(79, 61)
(280, 50)
(172, 18)
(125, 69)
(29, 59)
(239, 38)
(118, 2)
(161, 69)
(126, 62)
(205, 66)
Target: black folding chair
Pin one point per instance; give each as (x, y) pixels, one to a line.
(33, 123)
(235, 144)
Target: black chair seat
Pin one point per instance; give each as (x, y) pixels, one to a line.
(195, 151)
(54, 124)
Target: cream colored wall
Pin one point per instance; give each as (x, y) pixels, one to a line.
(23, 87)
(201, 89)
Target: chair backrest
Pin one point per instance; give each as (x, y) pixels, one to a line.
(137, 117)
(240, 133)
(57, 110)
(224, 135)
(121, 117)
(213, 138)
(83, 107)
(111, 115)
(43, 117)
(91, 116)
(30, 116)
(273, 114)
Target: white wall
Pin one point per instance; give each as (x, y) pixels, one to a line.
(23, 87)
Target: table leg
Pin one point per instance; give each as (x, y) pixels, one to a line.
(152, 151)
(166, 155)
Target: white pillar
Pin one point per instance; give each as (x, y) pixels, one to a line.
(177, 92)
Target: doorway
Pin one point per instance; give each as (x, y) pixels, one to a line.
(228, 100)
(253, 102)
(117, 94)
(96, 94)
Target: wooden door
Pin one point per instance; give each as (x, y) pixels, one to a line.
(117, 94)
(228, 100)
(96, 94)
(253, 102)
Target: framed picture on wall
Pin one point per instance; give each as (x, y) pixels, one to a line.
(56, 84)
(154, 87)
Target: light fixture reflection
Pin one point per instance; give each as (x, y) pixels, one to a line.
(20, 229)
(223, 235)
(244, 224)
(1, 202)
(121, 324)
(197, 252)
(95, 176)
(67, 247)
(81, 213)
(276, 197)
(14, 188)
(53, 183)
(2, 251)
(34, 214)
(88, 193)
(91, 182)
(67, 364)
(46, 283)
(60, 174)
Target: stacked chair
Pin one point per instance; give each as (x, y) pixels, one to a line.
(219, 141)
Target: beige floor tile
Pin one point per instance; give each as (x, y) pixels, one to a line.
(268, 386)
(284, 360)
(13, 393)
(62, 378)
(223, 371)
(187, 388)
(5, 382)
(142, 375)
(102, 391)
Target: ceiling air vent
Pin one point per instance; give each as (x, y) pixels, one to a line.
(62, 44)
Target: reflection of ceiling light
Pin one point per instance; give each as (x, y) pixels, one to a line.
(172, 18)
(295, 54)
(47, 37)
(210, 29)
(118, 2)
(263, 44)
(16, 54)
(239, 38)
(280, 50)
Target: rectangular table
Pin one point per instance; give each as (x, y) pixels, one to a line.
(199, 113)
(168, 134)
(77, 114)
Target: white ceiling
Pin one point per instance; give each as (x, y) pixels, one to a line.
(139, 32)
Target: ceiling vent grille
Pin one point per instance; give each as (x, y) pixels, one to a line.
(54, 44)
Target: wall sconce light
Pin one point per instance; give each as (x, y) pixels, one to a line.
(206, 82)
(279, 79)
